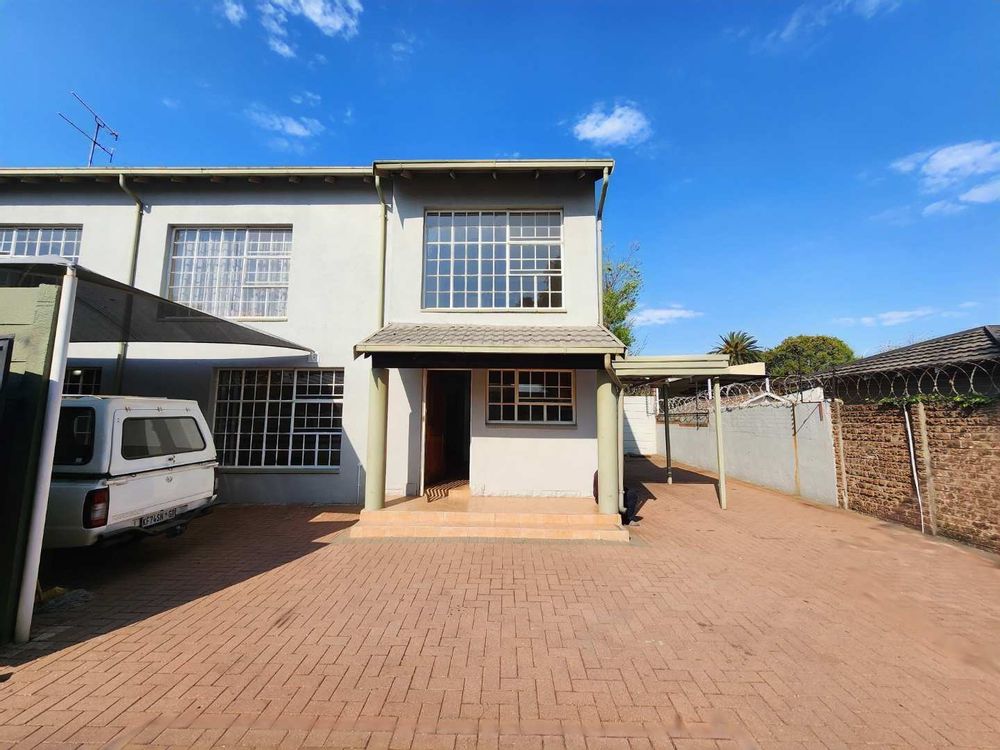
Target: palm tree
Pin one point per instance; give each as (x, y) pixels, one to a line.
(740, 346)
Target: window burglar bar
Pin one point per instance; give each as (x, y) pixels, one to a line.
(531, 397)
(231, 273)
(492, 260)
(279, 417)
(37, 241)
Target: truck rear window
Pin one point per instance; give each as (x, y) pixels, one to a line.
(148, 437)
(75, 436)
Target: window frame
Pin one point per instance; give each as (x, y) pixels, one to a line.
(172, 229)
(43, 226)
(531, 423)
(280, 468)
(495, 209)
(96, 376)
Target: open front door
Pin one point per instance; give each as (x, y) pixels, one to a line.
(446, 430)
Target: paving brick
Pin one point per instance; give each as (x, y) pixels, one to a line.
(773, 624)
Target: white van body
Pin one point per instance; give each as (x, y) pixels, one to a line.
(128, 466)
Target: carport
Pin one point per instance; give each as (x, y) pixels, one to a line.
(676, 375)
(78, 306)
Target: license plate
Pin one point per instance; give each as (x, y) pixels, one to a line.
(158, 517)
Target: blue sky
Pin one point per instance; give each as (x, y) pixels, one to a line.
(816, 166)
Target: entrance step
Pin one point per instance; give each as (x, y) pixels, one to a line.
(387, 524)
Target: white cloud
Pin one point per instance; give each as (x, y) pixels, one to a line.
(404, 46)
(625, 125)
(900, 216)
(943, 208)
(234, 11)
(890, 318)
(988, 192)
(286, 126)
(306, 97)
(170, 103)
(280, 46)
(658, 316)
(942, 167)
(968, 305)
(811, 17)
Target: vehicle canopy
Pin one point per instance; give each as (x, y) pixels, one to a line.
(116, 435)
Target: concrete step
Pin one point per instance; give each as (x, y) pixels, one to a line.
(365, 530)
(480, 518)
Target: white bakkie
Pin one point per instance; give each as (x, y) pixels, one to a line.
(128, 466)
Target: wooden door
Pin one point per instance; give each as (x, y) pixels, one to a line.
(436, 419)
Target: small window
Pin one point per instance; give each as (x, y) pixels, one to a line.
(75, 436)
(82, 381)
(32, 242)
(531, 397)
(148, 437)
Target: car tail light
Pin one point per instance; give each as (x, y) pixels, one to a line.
(95, 508)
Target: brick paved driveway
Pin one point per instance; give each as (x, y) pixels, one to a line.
(775, 624)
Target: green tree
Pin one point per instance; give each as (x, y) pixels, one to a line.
(622, 284)
(802, 355)
(740, 346)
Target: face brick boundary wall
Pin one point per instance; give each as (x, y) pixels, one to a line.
(964, 447)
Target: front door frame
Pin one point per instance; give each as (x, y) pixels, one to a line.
(423, 419)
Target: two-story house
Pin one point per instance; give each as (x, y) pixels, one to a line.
(453, 308)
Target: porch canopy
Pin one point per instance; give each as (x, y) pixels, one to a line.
(680, 374)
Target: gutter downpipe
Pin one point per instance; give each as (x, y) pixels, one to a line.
(913, 466)
(126, 328)
(46, 453)
(381, 255)
(600, 246)
(613, 376)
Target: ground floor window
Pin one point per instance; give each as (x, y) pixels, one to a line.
(531, 397)
(274, 418)
(82, 381)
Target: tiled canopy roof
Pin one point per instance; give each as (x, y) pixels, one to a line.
(973, 345)
(481, 338)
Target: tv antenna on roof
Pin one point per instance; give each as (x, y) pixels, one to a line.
(95, 139)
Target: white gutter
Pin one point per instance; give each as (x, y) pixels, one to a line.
(600, 246)
(46, 453)
(381, 254)
(621, 429)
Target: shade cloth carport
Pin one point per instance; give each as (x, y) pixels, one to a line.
(93, 308)
(679, 374)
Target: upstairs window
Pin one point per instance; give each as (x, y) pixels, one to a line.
(32, 242)
(493, 260)
(231, 273)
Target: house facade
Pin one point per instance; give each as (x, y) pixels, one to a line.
(452, 308)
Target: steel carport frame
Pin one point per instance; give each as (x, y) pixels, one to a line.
(94, 308)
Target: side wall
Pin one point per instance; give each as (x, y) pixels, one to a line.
(787, 448)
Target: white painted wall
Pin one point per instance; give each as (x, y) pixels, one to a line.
(640, 425)
(553, 460)
(763, 447)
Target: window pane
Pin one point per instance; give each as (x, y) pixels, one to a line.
(231, 273)
(146, 437)
(468, 251)
(36, 241)
(530, 396)
(279, 417)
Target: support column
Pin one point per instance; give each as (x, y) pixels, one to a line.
(665, 395)
(378, 421)
(607, 445)
(720, 453)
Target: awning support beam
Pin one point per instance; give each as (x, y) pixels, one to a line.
(720, 452)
